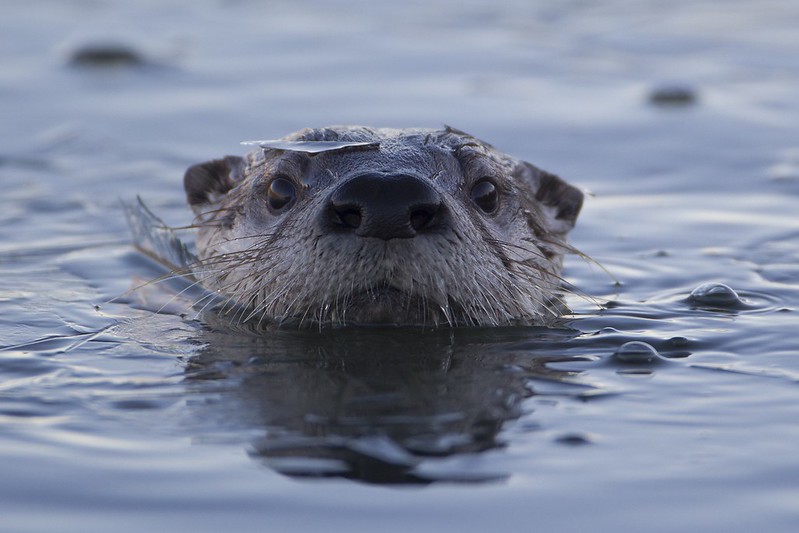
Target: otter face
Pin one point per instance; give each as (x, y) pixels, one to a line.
(353, 225)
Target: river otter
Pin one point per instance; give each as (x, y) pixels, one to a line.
(350, 225)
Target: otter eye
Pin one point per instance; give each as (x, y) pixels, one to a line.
(281, 194)
(485, 196)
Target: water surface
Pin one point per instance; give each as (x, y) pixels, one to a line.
(112, 415)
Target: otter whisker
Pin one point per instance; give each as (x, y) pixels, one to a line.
(588, 259)
(565, 285)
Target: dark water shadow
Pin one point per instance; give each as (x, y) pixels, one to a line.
(378, 405)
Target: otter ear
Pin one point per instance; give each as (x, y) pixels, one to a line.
(207, 183)
(560, 202)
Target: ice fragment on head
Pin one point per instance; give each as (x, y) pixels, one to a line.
(312, 147)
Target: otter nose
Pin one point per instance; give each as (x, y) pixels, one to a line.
(385, 206)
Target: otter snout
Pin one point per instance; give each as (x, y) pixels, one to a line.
(385, 206)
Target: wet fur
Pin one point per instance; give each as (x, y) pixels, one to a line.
(486, 270)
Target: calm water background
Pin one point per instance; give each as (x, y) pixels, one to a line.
(114, 417)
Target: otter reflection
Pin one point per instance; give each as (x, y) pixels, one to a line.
(376, 405)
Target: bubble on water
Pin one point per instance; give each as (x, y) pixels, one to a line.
(679, 342)
(574, 439)
(104, 55)
(672, 96)
(716, 295)
(637, 352)
(677, 348)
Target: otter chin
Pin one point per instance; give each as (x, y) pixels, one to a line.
(350, 225)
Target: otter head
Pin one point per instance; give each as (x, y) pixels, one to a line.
(353, 225)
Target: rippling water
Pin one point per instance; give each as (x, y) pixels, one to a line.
(669, 399)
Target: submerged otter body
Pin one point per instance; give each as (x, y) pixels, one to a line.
(354, 225)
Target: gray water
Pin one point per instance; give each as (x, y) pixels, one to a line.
(113, 417)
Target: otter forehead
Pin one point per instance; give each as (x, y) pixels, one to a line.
(319, 157)
(333, 153)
